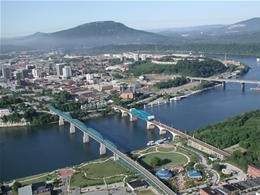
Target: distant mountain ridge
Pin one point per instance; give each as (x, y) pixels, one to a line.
(89, 35)
(98, 34)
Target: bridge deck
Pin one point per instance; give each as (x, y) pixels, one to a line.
(225, 80)
(182, 134)
(109, 145)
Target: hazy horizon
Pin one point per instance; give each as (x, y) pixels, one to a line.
(23, 18)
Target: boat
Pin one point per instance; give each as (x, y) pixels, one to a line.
(150, 143)
(256, 88)
(176, 98)
(258, 59)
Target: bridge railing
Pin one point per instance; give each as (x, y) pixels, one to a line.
(111, 146)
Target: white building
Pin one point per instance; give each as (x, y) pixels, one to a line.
(4, 112)
(136, 56)
(143, 57)
(89, 77)
(36, 72)
(66, 72)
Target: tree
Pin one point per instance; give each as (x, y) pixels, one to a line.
(216, 166)
(16, 185)
(155, 161)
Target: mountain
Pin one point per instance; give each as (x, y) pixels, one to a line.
(89, 35)
(116, 35)
(185, 29)
(22, 40)
(244, 27)
(248, 26)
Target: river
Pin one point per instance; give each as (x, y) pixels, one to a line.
(31, 150)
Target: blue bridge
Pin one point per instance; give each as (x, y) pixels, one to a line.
(163, 128)
(106, 144)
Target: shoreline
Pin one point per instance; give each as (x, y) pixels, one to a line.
(95, 115)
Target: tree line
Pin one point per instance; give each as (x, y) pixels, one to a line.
(185, 67)
(242, 129)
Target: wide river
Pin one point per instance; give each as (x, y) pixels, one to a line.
(31, 150)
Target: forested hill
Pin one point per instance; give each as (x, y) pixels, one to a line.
(185, 67)
(242, 129)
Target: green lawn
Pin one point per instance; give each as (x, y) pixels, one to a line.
(152, 149)
(114, 179)
(108, 168)
(37, 178)
(168, 159)
(98, 170)
(144, 192)
(79, 180)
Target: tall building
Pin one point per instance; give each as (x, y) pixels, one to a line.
(7, 73)
(66, 72)
(143, 57)
(25, 73)
(37, 72)
(89, 77)
(136, 56)
(59, 68)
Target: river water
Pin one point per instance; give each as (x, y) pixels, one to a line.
(31, 150)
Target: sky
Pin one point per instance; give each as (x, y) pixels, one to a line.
(20, 18)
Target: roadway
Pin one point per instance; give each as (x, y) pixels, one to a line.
(182, 134)
(225, 80)
(116, 152)
(146, 173)
(216, 150)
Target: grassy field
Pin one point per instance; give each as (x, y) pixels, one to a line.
(144, 192)
(37, 178)
(166, 149)
(78, 179)
(96, 172)
(168, 160)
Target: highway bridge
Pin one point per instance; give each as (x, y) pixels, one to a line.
(118, 156)
(151, 123)
(224, 81)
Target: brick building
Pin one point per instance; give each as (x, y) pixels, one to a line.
(253, 170)
(128, 94)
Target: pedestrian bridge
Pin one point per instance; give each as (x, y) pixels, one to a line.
(163, 128)
(106, 144)
(141, 114)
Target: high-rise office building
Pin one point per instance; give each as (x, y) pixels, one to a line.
(25, 73)
(59, 68)
(66, 72)
(136, 56)
(7, 73)
(37, 72)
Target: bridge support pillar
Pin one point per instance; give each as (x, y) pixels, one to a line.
(116, 157)
(133, 118)
(124, 113)
(72, 128)
(85, 138)
(223, 84)
(243, 86)
(149, 125)
(162, 131)
(61, 121)
(102, 149)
